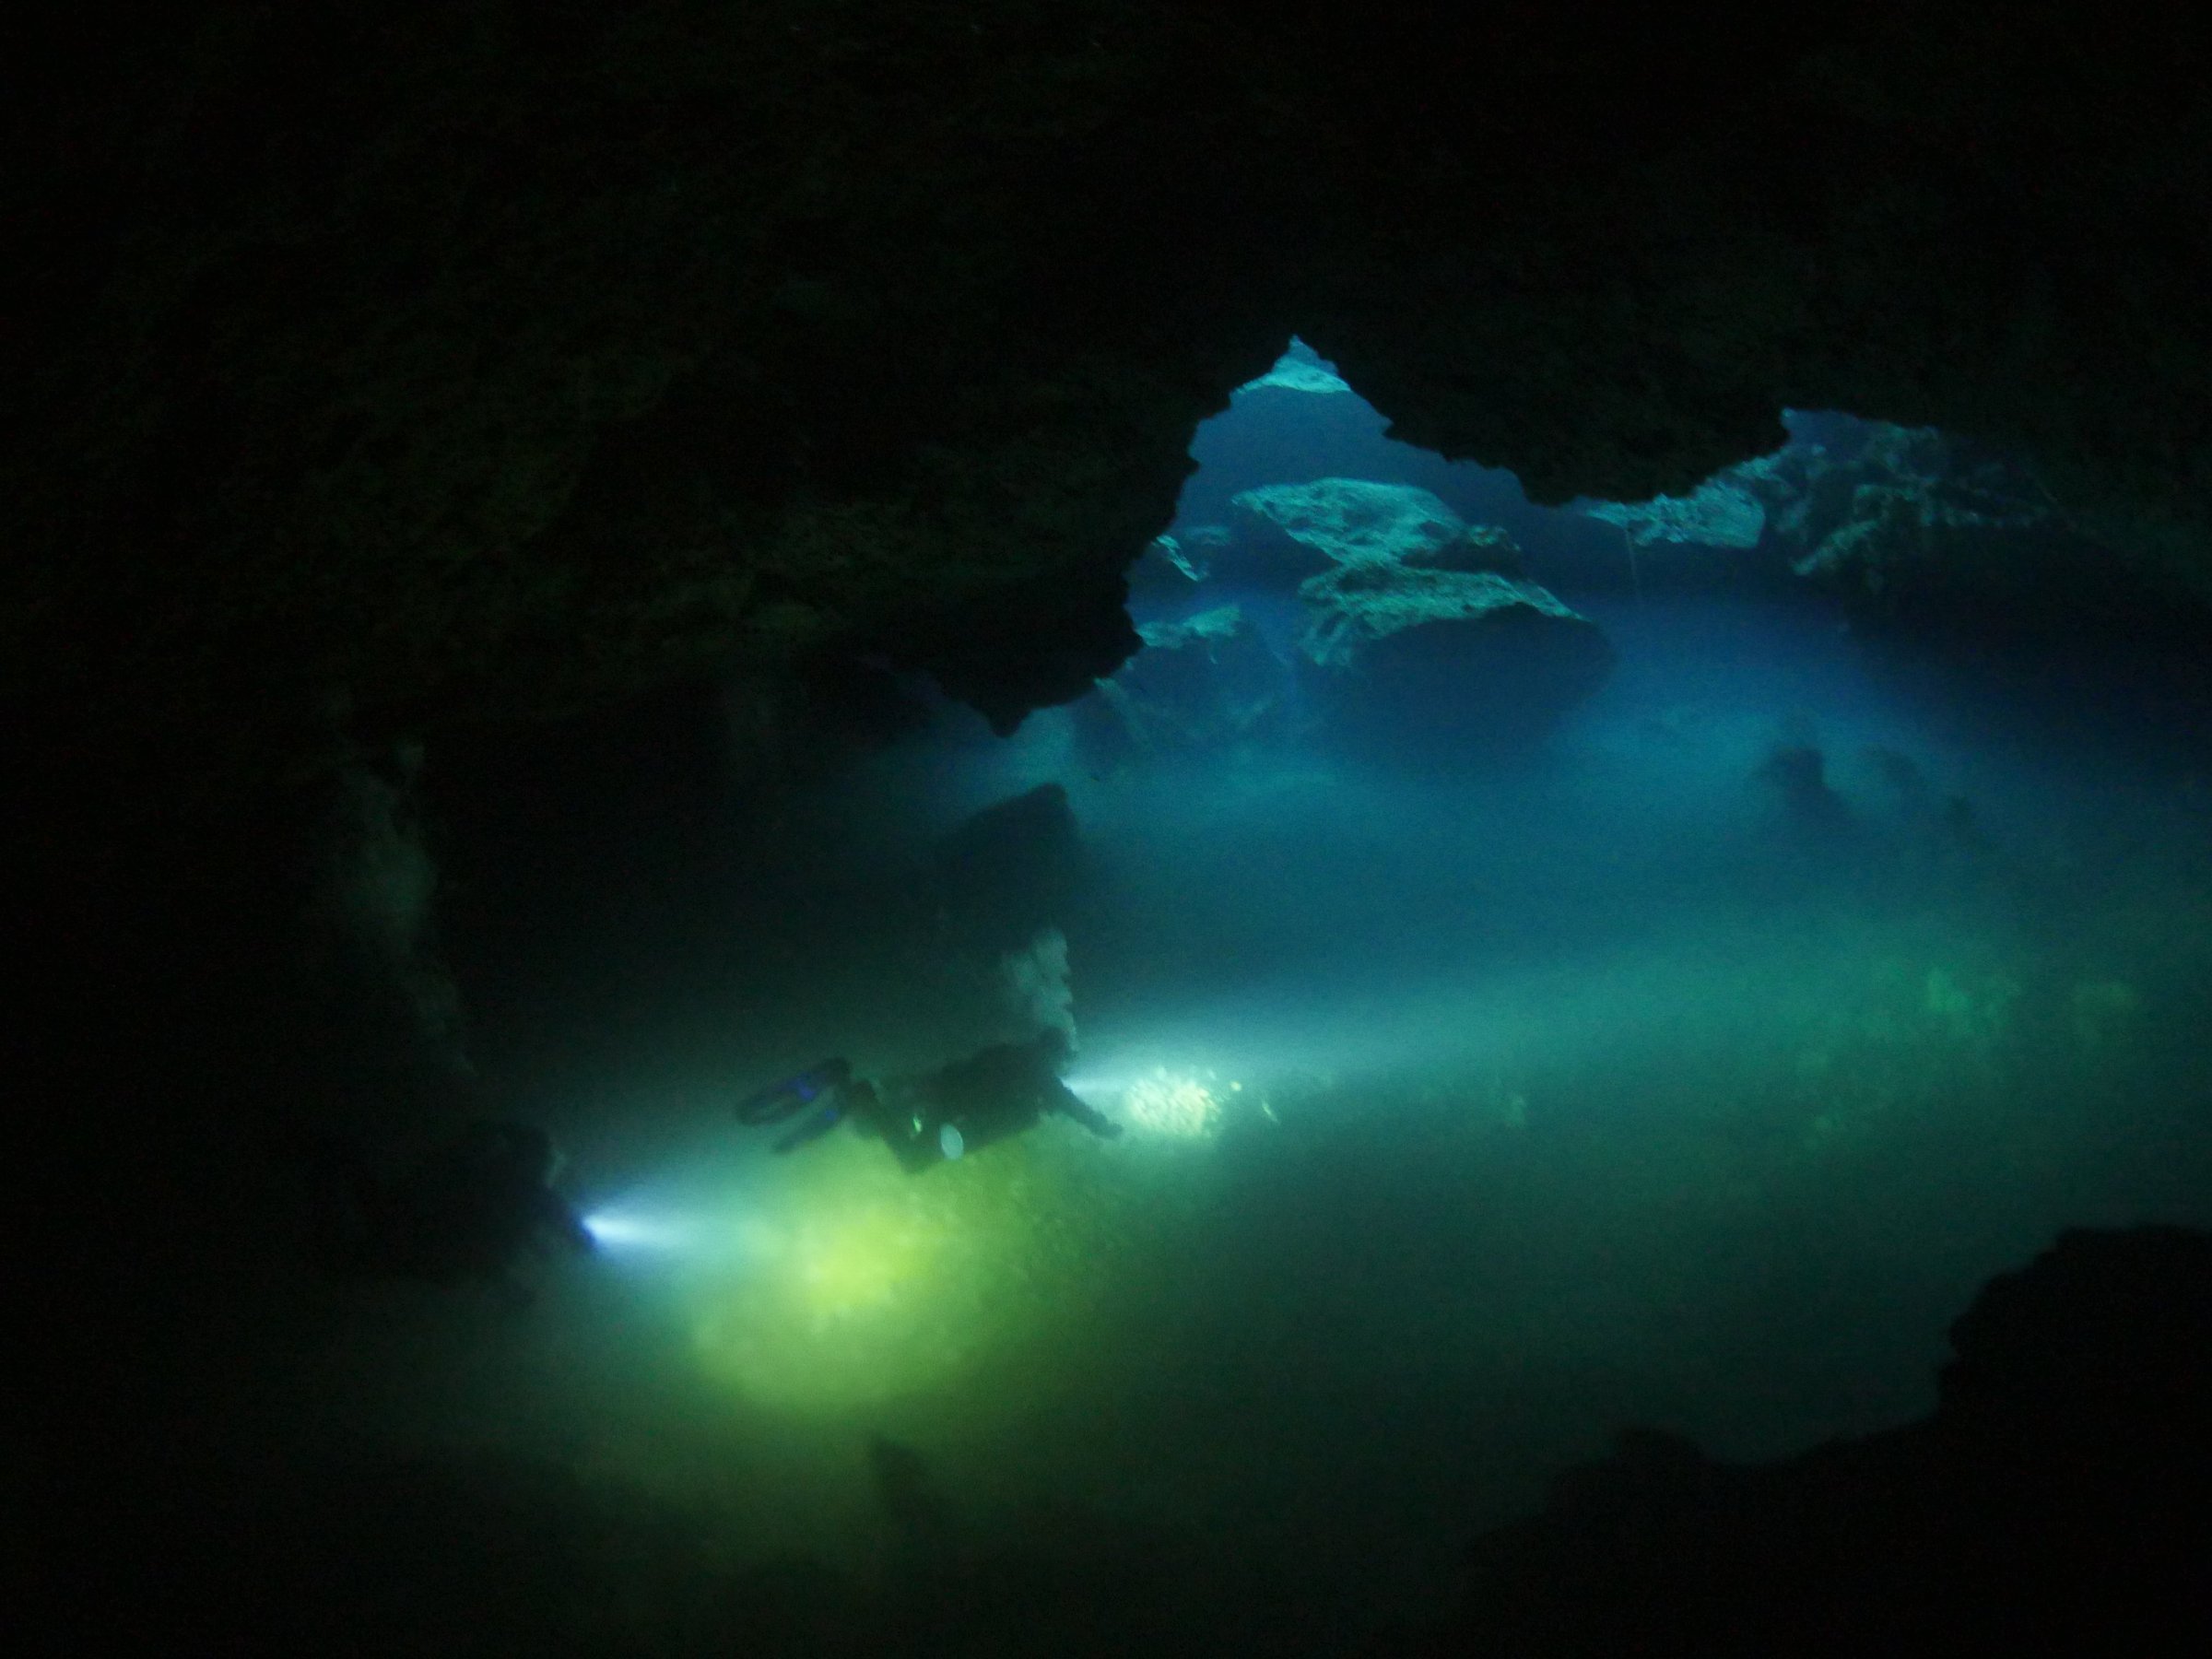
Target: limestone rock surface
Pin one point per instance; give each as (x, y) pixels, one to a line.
(1207, 684)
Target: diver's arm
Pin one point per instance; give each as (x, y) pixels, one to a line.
(1068, 1104)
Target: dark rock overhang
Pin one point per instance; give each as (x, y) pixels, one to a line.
(418, 361)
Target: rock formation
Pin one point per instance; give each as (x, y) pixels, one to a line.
(410, 366)
(1437, 663)
(1211, 683)
(1415, 632)
(1350, 521)
(2057, 1499)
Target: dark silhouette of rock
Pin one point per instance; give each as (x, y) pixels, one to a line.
(1797, 774)
(913, 1505)
(2059, 1500)
(1430, 664)
(1062, 1579)
(1009, 870)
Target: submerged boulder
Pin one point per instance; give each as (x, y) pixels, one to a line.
(1167, 574)
(1919, 532)
(1702, 541)
(1301, 372)
(1355, 608)
(1430, 661)
(1299, 529)
(1419, 632)
(1204, 683)
(1718, 513)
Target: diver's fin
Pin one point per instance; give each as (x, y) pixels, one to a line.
(793, 1095)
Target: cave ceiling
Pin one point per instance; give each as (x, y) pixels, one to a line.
(397, 363)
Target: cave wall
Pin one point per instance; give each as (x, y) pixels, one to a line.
(419, 367)
(390, 369)
(463, 361)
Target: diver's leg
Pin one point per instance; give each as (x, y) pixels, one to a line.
(794, 1095)
(809, 1129)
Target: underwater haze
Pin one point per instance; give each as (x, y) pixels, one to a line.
(1554, 970)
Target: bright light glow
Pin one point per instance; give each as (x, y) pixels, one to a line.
(857, 1262)
(878, 1283)
(1172, 1104)
(870, 1285)
(689, 1237)
(613, 1229)
(1168, 1103)
(833, 1281)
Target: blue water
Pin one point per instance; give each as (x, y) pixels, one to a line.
(1556, 1090)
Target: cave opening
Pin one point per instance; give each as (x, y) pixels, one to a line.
(1608, 962)
(696, 975)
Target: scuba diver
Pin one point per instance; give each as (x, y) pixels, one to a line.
(960, 1108)
(473, 1207)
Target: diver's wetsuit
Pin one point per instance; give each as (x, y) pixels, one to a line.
(992, 1094)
